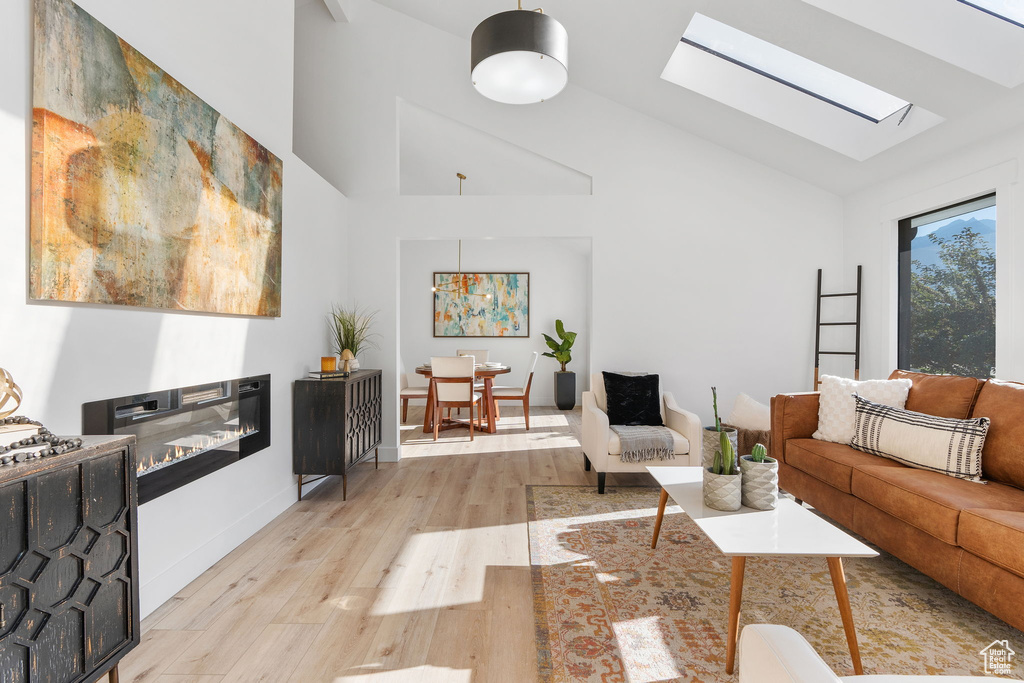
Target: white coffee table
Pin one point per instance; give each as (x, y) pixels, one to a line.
(789, 529)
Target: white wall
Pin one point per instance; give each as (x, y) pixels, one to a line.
(236, 55)
(559, 288)
(703, 261)
(871, 218)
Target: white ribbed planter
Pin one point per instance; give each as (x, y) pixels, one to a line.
(722, 491)
(712, 443)
(760, 483)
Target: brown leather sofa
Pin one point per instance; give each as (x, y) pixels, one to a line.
(966, 535)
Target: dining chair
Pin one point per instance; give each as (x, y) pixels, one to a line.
(453, 388)
(413, 386)
(520, 393)
(479, 354)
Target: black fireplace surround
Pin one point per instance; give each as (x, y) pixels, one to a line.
(186, 433)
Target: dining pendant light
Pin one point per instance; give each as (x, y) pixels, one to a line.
(457, 287)
(520, 57)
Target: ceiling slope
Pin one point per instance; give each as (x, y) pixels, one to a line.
(433, 148)
(619, 51)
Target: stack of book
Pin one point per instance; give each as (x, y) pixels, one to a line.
(9, 433)
(17, 440)
(317, 374)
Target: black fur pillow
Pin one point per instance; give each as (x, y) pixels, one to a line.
(633, 399)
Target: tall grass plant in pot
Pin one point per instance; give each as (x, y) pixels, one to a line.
(351, 329)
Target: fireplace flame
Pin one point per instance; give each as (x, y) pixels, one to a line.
(207, 443)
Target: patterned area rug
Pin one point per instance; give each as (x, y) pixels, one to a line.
(608, 608)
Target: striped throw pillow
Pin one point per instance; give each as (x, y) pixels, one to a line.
(938, 444)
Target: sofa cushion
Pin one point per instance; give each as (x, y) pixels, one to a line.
(836, 408)
(994, 535)
(829, 462)
(679, 442)
(938, 444)
(633, 399)
(1003, 457)
(940, 395)
(928, 500)
(601, 398)
(748, 413)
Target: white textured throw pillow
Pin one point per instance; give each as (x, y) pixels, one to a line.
(750, 414)
(837, 410)
(938, 444)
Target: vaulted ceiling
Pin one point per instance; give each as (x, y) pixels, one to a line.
(619, 49)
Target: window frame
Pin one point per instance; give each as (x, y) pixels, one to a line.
(905, 234)
(991, 12)
(850, 107)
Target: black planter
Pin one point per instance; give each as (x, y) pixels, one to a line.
(565, 390)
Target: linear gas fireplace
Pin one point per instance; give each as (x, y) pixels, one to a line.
(184, 434)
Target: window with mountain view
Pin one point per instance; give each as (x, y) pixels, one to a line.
(947, 297)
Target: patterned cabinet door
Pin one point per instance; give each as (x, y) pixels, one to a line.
(67, 571)
(363, 416)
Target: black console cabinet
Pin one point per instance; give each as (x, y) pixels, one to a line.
(335, 424)
(69, 592)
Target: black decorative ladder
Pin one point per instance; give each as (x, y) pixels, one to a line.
(818, 353)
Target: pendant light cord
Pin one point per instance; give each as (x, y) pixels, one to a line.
(458, 290)
(538, 9)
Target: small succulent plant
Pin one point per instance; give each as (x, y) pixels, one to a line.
(725, 457)
(759, 453)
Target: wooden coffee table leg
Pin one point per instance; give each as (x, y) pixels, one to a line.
(835, 568)
(661, 515)
(735, 600)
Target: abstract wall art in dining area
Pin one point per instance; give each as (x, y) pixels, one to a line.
(142, 193)
(469, 312)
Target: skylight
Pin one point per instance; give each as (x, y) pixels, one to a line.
(792, 70)
(979, 36)
(1007, 10)
(795, 94)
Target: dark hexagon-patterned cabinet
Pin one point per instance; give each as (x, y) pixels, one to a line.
(335, 423)
(69, 596)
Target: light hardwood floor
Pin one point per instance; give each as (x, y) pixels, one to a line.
(422, 575)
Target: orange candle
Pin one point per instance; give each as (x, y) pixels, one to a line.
(328, 363)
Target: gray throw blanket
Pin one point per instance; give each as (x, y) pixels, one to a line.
(642, 442)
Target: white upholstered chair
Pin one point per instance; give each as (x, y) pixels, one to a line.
(518, 393)
(770, 653)
(414, 386)
(479, 354)
(453, 388)
(601, 447)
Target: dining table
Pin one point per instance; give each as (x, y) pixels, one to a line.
(485, 372)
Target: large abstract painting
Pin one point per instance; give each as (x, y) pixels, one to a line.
(143, 194)
(505, 314)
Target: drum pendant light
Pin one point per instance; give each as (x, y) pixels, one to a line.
(520, 57)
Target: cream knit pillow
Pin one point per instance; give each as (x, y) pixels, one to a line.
(837, 410)
(748, 413)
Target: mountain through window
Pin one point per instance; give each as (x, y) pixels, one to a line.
(947, 297)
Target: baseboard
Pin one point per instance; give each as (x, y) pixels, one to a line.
(163, 587)
(390, 453)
